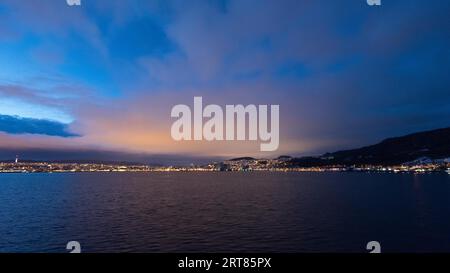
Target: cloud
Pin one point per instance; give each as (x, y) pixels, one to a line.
(344, 74)
(19, 125)
(49, 17)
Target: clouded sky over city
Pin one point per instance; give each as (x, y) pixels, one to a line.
(105, 75)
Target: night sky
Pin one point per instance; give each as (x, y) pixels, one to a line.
(104, 76)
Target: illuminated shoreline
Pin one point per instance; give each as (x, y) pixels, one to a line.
(44, 167)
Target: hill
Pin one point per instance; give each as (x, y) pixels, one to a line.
(433, 144)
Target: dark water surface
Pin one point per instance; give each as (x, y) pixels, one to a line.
(224, 212)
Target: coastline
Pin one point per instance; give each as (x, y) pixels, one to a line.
(198, 170)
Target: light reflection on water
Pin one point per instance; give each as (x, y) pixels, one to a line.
(224, 212)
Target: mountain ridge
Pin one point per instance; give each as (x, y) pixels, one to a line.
(434, 144)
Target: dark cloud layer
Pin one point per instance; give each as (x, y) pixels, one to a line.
(20, 125)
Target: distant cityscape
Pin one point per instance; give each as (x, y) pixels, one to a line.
(421, 152)
(246, 164)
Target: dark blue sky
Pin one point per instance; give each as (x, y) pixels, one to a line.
(105, 75)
